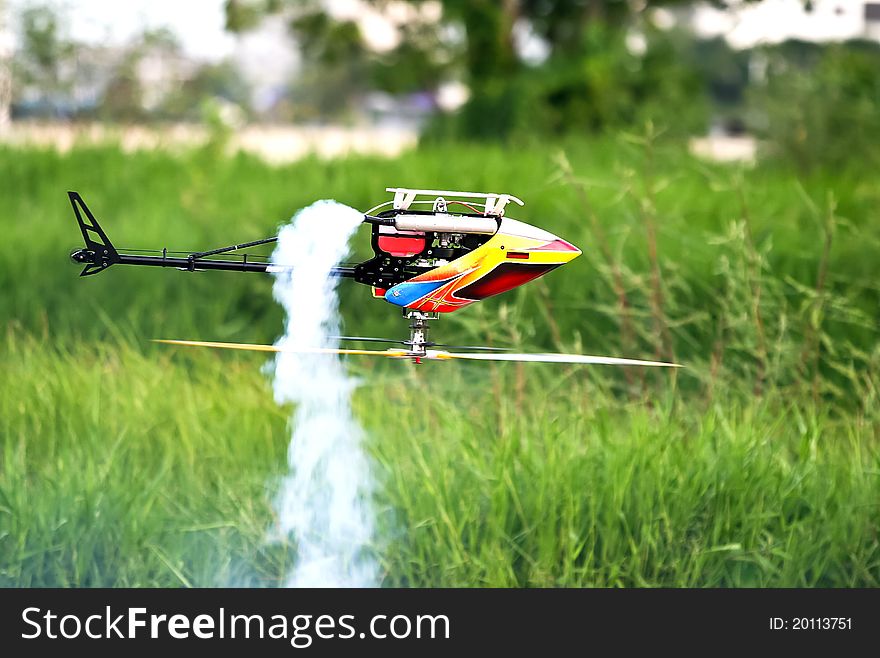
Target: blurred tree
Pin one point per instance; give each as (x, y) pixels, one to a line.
(488, 29)
(150, 72)
(5, 68)
(44, 57)
(336, 69)
(123, 97)
(244, 15)
(820, 104)
(591, 78)
(221, 82)
(724, 70)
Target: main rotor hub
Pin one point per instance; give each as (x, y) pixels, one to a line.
(418, 330)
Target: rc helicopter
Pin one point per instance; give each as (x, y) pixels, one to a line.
(434, 252)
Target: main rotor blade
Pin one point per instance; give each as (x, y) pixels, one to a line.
(431, 354)
(251, 347)
(370, 339)
(475, 348)
(556, 358)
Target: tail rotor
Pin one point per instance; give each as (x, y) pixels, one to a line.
(99, 253)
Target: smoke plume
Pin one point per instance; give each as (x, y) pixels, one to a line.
(323, 504)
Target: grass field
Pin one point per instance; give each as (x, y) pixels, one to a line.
(126, 464)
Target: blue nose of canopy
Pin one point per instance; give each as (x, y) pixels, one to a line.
(404, 294)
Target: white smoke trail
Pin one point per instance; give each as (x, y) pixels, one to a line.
(324, 501)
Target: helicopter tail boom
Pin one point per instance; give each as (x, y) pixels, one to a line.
(99, 253)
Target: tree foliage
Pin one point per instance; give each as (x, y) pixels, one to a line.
(820, 105)
(590, 80)
(45, 50)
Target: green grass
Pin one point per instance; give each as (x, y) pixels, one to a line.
(124, 463)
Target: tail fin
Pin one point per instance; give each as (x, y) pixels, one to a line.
(99, 252)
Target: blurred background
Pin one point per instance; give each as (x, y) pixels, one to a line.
(717, 163)
(332, 76)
